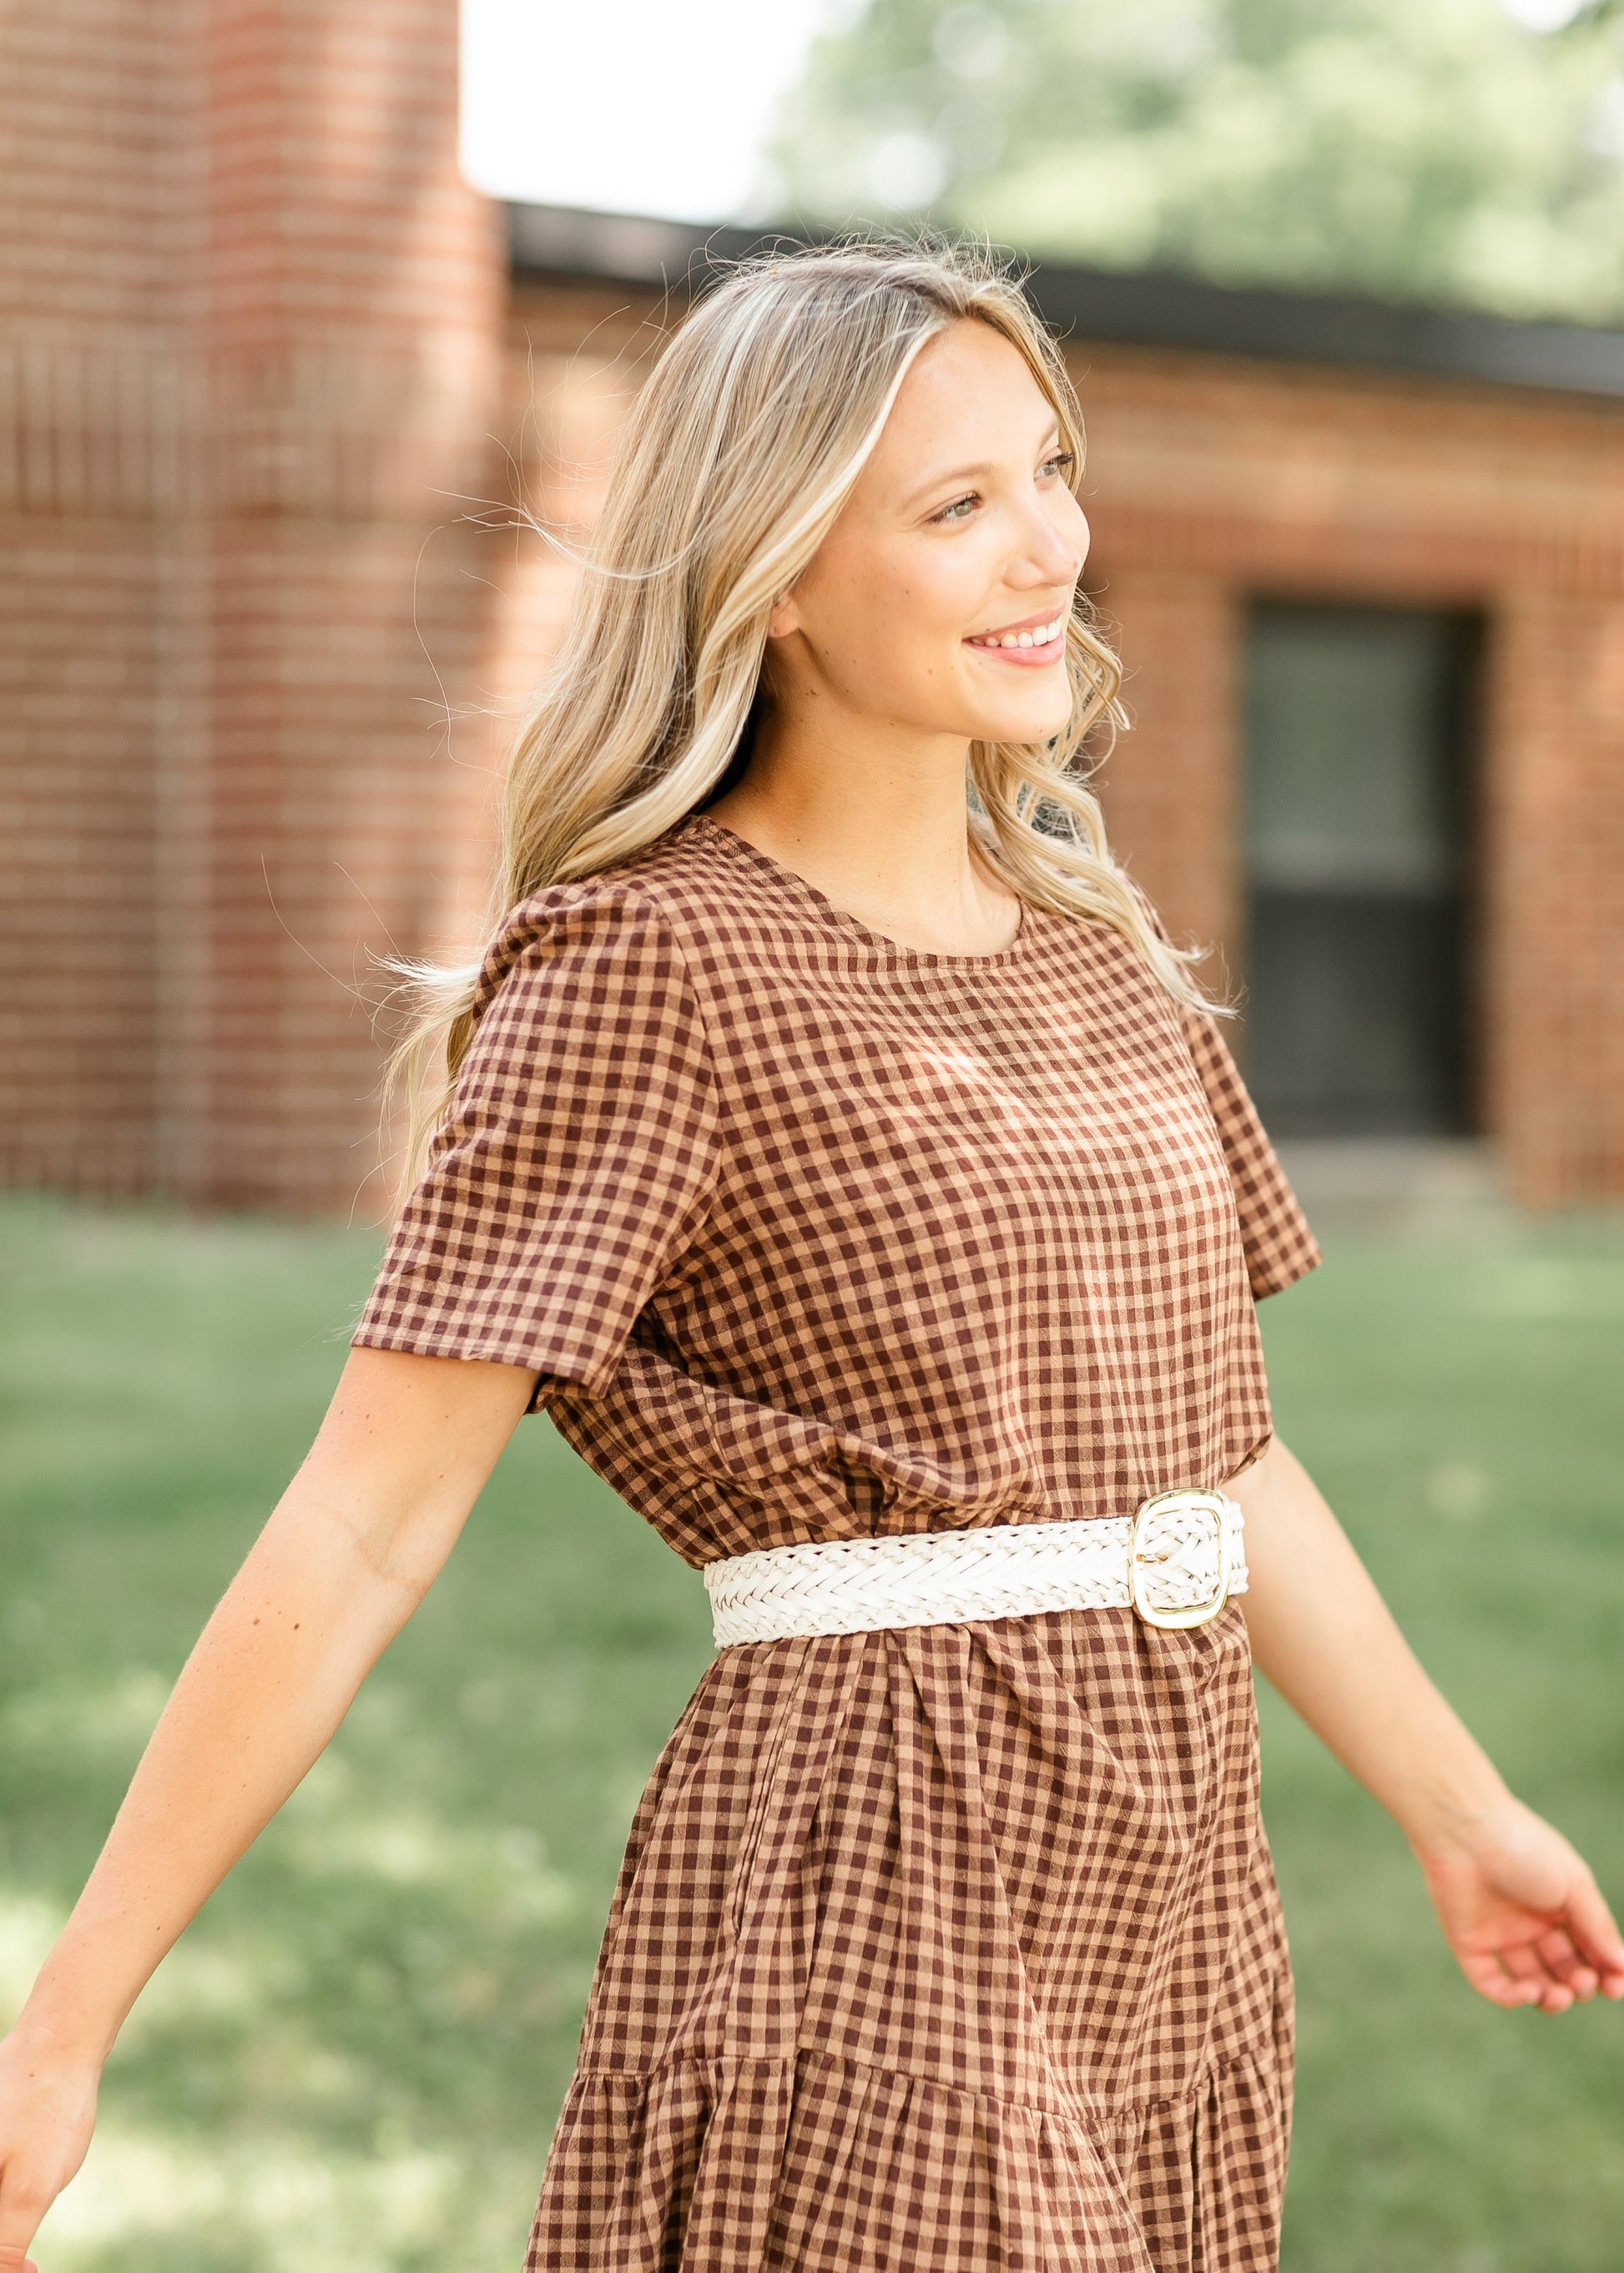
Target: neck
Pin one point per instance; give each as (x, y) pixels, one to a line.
(875, 818)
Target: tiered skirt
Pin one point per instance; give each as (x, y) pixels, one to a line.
(952, 1947)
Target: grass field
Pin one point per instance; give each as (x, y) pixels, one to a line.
(352, 2063)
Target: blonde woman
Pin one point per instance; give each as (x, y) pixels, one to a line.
(840, 1150)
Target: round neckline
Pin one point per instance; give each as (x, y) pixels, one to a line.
(878, 942)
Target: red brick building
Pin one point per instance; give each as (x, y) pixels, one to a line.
(273, 380)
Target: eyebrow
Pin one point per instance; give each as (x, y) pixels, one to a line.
(952, 475)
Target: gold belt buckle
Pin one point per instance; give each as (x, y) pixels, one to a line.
(1143, 1560)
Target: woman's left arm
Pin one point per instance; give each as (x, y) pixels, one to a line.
(1519, 1908)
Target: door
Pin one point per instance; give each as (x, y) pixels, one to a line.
(1356, 867)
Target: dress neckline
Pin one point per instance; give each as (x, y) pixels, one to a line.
(878, 942)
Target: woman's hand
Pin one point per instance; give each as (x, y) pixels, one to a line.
(1519, 1908)
(1523, 1914)
(48, 2111)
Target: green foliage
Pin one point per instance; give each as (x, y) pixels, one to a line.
(1438, 150)
(351, 2062)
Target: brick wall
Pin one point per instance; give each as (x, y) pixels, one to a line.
(1214, 482)
(260, 362)
(251, 355)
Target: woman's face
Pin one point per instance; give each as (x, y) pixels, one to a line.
(938, 601)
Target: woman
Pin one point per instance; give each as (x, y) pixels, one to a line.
(851, 1167)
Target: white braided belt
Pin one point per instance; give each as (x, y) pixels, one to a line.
(1177, 1562)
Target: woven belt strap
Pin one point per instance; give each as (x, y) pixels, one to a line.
(1177, 1562)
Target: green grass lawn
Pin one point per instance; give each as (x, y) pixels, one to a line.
(352, 2063)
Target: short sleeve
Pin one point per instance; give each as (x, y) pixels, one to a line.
(1280, 1248)
(576, 1161)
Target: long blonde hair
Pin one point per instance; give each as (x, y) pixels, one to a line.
(742, 447)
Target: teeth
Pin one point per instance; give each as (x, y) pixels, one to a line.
(1044, 636)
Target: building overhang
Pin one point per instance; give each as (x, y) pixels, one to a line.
(1146, 309)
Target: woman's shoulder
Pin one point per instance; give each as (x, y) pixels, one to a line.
(630, 923)
(679, 885)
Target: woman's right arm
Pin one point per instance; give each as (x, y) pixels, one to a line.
(350, 1550)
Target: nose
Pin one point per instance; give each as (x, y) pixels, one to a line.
(1051, 551)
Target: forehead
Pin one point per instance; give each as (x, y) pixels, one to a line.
(969, 398)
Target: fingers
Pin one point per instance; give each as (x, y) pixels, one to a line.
(19, 2220)
(1565, 1963)
(1538, 1986)
(14, 2256)
(1596, 1935)
(1548, 1972)
(1491, 1979)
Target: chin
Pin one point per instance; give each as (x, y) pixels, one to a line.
(1025, 723)
(1032, 707)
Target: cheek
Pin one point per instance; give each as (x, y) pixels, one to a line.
(926, 604)
(896, 614)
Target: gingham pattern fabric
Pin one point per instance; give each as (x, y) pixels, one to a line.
(951, 1945)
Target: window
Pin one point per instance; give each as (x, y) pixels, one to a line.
(1355, 846)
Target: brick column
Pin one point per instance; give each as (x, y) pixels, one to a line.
(1555, 920)
(97, 399)
(251, 328)
(1171, 788)
(353, 289)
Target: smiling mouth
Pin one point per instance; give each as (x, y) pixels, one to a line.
(1040, 641)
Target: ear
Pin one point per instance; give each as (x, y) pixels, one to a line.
(786, 617)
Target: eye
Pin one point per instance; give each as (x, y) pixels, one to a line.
(1061, 462)
(960, 508)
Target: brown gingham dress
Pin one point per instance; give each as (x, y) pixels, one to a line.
(951, 1947)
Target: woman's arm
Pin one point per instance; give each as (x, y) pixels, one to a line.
(1518, 1905)
(352, 1548)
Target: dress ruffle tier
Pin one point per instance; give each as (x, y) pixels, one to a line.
(818, 2162)
(950, 1948)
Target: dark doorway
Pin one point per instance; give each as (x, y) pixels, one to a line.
(1355, 833)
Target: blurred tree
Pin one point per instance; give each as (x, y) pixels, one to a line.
(1467, 151)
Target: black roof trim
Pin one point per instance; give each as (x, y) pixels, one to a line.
(1144, 309)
